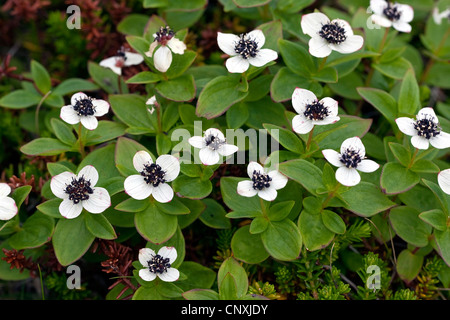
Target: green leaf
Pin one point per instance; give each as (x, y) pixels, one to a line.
(286, 138)
(409, 265)
(45, 147)
(219, 95)
(232, 267)
(297, 58)
(177, 241)
(63, 131)
(155, 3)
(273, 31)
(327, 74)
(201, 294)
(20, 99)
(282, 240)
(131, 109)
(227, 289)
(155, 226)
(409, 226)
(74, 85)
(409, 97)
(214, 215)
(196, 208)
(248, 247)
(266, 111)
(397, 179)
(50, 208)
(41, 77)
(169, 290)
(106, 79)
(358, 197)
(175, 207)
(192, 187)
(125, 150)
(303, 172)
(424, 166)
(435, 218)
(395, 69)
(144, 77)
(250, 3)
(401, 153)
(180, 63)
(99, 226)
(438, 75)
(280, 211)
(314, 233)
(132, 205)
(71, 240)
(440, 195)
(228, 188)
(258, 225)
(36, 231)
(237, 115)
(443, 242)
(177, 89)
(105, 131)
(380, 100)
(333, 222)
(134, 24)
(20, 194)
(198, 276)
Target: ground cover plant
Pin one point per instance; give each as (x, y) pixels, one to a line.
(225, 150)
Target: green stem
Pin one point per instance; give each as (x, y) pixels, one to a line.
(310, 138)
(42, 282)
(331, 195)
(431, 61)
(263, 207)
(80, 141)
(413, 158)
(36, 115)
(158, 116)
(322, 63)
(119, 84)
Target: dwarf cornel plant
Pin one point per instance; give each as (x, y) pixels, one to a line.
(225, 150)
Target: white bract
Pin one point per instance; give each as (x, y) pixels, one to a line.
(151, 102)
(153, 177)
(84, 109)
(425, 130)
(158, 265)
(444, 180)
(264, 184)
(349, 161)
(162, 57)
(438, 16)
(79, 191)
(120, 60)
(327, 35)
(394, 15)
(8, 207)
(311, 111)
(245, 50)
(212, 145)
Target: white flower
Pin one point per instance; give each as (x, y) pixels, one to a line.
(120, 60)
(153, 177)
(437, 17)
(264, 184)
(311, 111)
(158, 265)
(151, 102)
(349, 160)
(79, 191)
(8, 207)
(394, 15)
(424, 130)
(85, 109)
(212, 145)
(168, 44)
(329, 35)
(245, 50)
(444, 180)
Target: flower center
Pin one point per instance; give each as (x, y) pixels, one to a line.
(391, 12)
(247, 48)
(333, 33)
(260, 180)
(120, 58)
(214, 142)
(158, 264)
(164, 35)
(427, 128)
(84, 107)
(350, 158)
(316, 111)
(79, 190)
(153, 174)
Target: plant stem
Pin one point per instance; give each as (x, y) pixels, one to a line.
(80, 141)
(42, 282)
(331, 195)
(431, 61)
(158, 117)
(36, 115)
(119, 84)
(413, 158)
(322, 63)
(263, 207)
(310, 138)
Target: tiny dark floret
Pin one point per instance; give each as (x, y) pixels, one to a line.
(260, 180)
(84, 107)
(391, 12)
(247, 48)
(158, 264)
(79, 190)
(213, 142)
(333, 33)
(350, 158)
(153, 174)
(316, 111)
(164, 34)
(427, 128)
